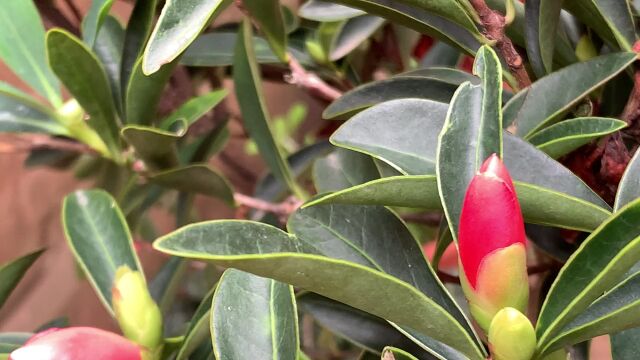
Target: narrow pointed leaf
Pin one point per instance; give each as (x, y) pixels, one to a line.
(612, 20)
(198, 329)
(564, 137)
(197, 178)
(253, 317)
(144, 92)
(155, 146)
(268, 15)
(85, 78)
(99, 238)
(343, 169)
(549, 98)
(352, 34)
(542, 21)
(12, 272)
(195, 108)
(24, 51)
(138, 30)
(94, 20)
(593, 269)
(166, 283)
(629, 187)
(108, 48)
(255, 116)
(325, 11)
(179, 24)
(471, 133)
(21, 114)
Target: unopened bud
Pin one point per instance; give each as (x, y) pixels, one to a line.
(511, 336)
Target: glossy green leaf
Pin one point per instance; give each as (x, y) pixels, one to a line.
(269, 18)
(108, 48)
(21, 114)
(354, 32)
(85, 78)
(138, 30)
(624, 345)
(391, 353)
(616, 310)
(471, 133)
(99, 238)
(542, 18)
(179, 24)
(253, 317)
(432, 84)
(593, 269)
(24, 51)
(156, 147)
(248, 86)
(144, 92)
(552, 96)
(12, 272)
(349, 323)
(343, 169)
(165, 285)
(292, 258)
(198, 329)
(325, 11)
(441, 54)
(94, 20)
(612, 20)
(198, 178)
(195, 108)
(443, 240)
(629, 186)
(564, 137)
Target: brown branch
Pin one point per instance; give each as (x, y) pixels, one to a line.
(26, 143)
(494, 24)
(310, 81)
(284, 208)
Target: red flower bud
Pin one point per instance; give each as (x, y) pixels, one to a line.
(77, 343)
(491, 244)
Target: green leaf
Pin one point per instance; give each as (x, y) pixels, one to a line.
(268, 15)
(593, 269)
(391, 353)
(471, 133)
(343, 169)
(616, 310)
(94, 19)
(433, 84)
(248, 86)
(564, 137)
(136, 35)
(612, 20)
(629, 186)
(324, 11)
(195, 108)
(441, 54)
(22, 114)
(304, 261)
(99, 238)
(253, 318)
(624, 345)
(24, 51)
(144, 93)
(422, 20)
(549, 98)
(156, 147)
(165, 285)
(108, 48)
(349, 323)
(354, 32)
(196, 178)
(85, 78)
(542, 18)
(179, 24)
(198, 329)
(12, 272)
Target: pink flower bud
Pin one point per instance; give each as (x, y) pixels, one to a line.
(77, 343)
(491, 244)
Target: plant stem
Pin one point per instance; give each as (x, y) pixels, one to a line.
(310, 81)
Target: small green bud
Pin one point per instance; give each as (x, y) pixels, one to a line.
(138, 315)
(511, 336)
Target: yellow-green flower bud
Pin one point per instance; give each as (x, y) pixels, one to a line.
(511, 336)
(138, 315)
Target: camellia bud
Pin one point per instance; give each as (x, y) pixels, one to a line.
(138, 315)
(492, 244)
(77, 343)
(511, 336)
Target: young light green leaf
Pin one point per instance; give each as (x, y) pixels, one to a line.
(144, 92)
(22, 114)
(564, 137)
(253, 317)
(255, 116)
(324, 11)
(198, 329)
(99, 238)
(85, 78)
(12, 272)
(195, 108)
(343, 169)
(542, 18)
(24, 51)
(94, 20)
(268, 15)
(629, 187)
(179, 24)
(552, 96)
(196, 178)
(593, 269)
(612, 20)
(471, 133)
(108, 48)
(155, 146)
(135, 38)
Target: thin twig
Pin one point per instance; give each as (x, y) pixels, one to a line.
(494, 24)
(310, 81)
(26, 143)
(284, 208)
